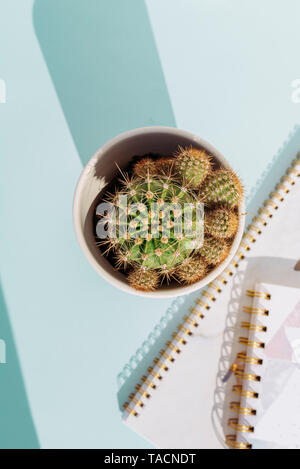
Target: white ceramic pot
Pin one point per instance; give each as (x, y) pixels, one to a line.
(101, 169)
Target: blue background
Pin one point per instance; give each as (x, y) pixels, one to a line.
(79, 72)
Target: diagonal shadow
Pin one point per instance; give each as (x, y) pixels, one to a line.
(103, 61)
(17, 430)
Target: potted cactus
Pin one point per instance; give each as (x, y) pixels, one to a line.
(163, 223)
(140, 223)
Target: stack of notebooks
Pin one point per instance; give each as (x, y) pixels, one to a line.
(230, 374)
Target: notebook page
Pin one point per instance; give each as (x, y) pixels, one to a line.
(276, 423)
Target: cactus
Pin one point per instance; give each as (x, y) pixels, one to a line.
(144, 167)
(165, 166)
(147, 231)
(194, 165)
(143, 279)
(145, 237)
(214, 251)
(191, 270)
(222, 187)
(221, 223)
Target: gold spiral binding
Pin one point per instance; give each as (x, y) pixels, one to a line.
(251, 238)
(242, 356)
(148, 383)
(240, 391)
(265, 211)
(288, 179)
(251, 343)
(277, 195)
(167, 356)
(260, 220)
(246, 376)
(234, 425)
(235, 406)
(223, 280)
(184, 329)
(232, 443)
(154, 373)
(282, 187)
(229, 272)
(173, 347)
(130, 410)
(191, 321)
(194, 310)
(140, 391)
(239, 372)
(253, 327)
(245, 246)
(177, 337)
(272, 204)
(255, 228)
(215, 287)
(209, 295)
(259, 294)
(136, 401)
(259, 311)
(293, 171)
(160, 364)
(202, 303)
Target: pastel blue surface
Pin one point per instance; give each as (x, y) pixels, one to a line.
(77, 73)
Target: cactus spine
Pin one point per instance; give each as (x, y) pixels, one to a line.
(192, 270)
(194, 165)
(214, 251)
(166, 166)
(221, 223)
(222, 187)
(143, 279)
(147, 230)
(144, 167)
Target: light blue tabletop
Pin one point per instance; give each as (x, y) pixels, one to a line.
(76, 74)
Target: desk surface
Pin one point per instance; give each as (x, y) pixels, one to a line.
(76, 74)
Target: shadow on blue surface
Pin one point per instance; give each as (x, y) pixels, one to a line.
(17, 430)
(105, 67)
(103, 61)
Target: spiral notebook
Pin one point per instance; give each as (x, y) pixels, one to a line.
(179, 401)
(266, 382)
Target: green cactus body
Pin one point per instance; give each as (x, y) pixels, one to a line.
(214, 251)
(222, 187)
(149, 228)
(144, 231)
(194, 166)
(221, 223)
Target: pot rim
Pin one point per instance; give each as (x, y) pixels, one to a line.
(172, 291)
